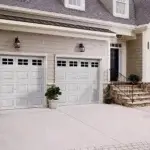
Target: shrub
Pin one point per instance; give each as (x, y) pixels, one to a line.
(134, 78)
(53, 92)
(107, 95)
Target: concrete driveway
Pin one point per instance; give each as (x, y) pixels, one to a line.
(73, 127)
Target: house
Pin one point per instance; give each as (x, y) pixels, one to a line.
(72, 43)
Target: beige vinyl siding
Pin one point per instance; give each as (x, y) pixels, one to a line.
(38, 43)
(134, 56)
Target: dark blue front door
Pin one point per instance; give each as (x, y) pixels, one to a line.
(114, 64)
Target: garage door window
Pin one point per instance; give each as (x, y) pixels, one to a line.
(94, 64)
(73, 63)
(23, 62)
(36, 62)
(7, 61)
(61, 63)
(84, 64)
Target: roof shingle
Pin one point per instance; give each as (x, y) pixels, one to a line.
(94, 9)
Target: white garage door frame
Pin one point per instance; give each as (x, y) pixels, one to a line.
(23, 54)
(88, 58)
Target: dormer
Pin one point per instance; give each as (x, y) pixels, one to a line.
(119, 8)
(75, 4)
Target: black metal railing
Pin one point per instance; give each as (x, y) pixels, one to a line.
(122, 83)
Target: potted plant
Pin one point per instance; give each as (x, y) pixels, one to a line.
(134, 78)
(52, 94)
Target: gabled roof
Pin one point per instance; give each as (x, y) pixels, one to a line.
(142, 9)
(94, 9)
(139, 9)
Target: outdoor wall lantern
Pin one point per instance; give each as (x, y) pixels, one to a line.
(17, 43)
(119, 36)
(81, 47)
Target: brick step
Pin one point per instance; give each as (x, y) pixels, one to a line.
(125, 86)
(130, 86)
(136, 98)
(138, 103)
(128, 89)
(135, 93)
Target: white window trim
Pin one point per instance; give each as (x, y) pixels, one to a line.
(82, 7)
(126, 15)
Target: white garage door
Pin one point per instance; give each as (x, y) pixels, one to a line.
(21, 82)
(78, 80)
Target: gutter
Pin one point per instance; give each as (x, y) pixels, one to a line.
(141, 28)
(52, 30)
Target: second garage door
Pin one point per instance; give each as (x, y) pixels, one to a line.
(78, 80)
(21, 82)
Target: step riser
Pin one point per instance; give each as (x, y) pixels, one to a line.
(130, 86)
(137, 105)
(134, 94)
(128, 89)
(136, 100)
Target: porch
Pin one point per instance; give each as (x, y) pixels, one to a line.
(130, 60)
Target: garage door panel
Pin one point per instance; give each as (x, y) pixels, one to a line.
(6, 77)
(35, 101)
(71, 76)
(22, 80)
(62, 99)
(72, 99)
(78, 76)
(22, 101)
(36, 82)
(72, 87)
(62, 86)
(83, 76)
(84, 86)
(22, 75)
(36, 74)
(36, 89)
(84, 98)
(78, 79)
(7, 102)
(7, 88)
(22, 88)
(60, 76)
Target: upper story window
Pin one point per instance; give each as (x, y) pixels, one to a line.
(75, 4)
(121, 8)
